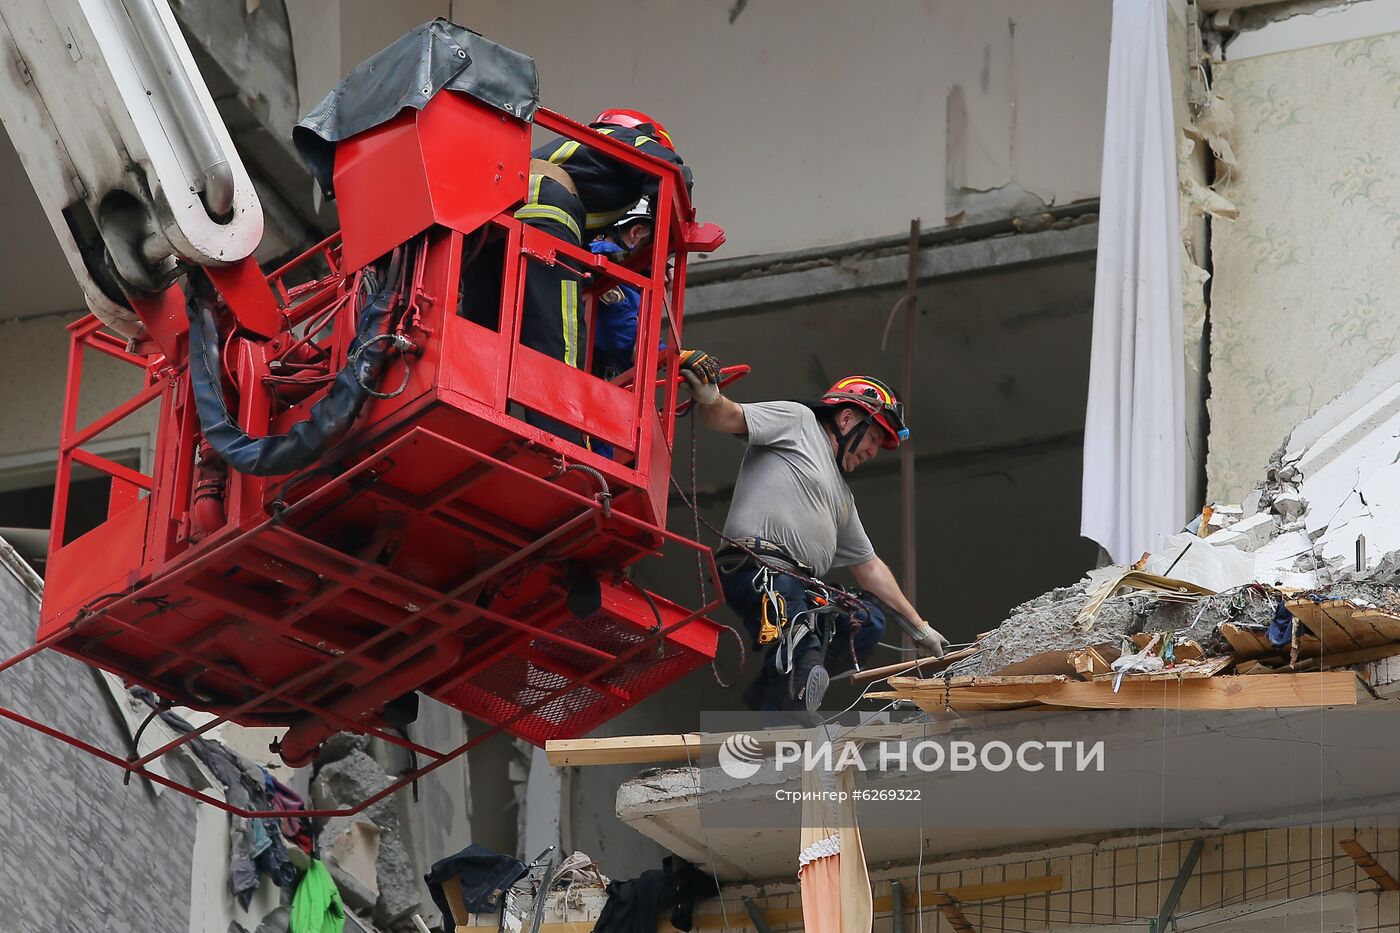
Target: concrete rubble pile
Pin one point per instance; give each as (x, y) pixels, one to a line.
(367, 854)
(1324, 524)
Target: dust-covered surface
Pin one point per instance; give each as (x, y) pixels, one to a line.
(1047, 623)
(1303, 531)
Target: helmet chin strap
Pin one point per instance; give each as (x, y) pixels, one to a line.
(850, 439)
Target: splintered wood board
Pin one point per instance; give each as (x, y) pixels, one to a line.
(1068, 662)
(1095, 659)
(1248, 643)
(1184, 650)
(1341, 625)
(1257, 691)
(1206, 668)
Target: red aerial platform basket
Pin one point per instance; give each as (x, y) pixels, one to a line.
(444, 545)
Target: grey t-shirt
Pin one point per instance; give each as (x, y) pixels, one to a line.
(790, 492)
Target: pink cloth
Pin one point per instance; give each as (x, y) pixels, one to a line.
(821, 895)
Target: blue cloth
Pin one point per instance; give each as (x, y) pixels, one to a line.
(483, 876)
(615, 341)
(746, 602)
(615, 337)
(1281, 628)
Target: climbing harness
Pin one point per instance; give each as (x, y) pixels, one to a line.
(773, 612)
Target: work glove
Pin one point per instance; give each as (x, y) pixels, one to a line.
(701, 373)
(929, 642)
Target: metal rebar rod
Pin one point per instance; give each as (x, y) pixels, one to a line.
(906, 449)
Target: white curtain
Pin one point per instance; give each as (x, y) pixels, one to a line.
(1134, 431)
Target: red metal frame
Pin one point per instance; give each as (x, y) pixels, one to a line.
(432, 549)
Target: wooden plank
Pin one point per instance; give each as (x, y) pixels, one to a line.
(1345, 626)
(953, 914)
(1047, 662)
(926, 665)
(692, 746)
(624, 749)
(1089, 661)
(1262, 691)
(1246, 642)
(962, 894)
(1369, 865)
(1321, 620)
(1183, 650)
(457, 905)
(1345, 658)
(1385, 624)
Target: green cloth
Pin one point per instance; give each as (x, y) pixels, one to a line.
(316, 907)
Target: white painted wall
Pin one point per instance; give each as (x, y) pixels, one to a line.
(821, 122)
(33, 372)
(808, 124)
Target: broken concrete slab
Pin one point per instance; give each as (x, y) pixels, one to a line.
(339, 745)
(1343, 460)
(1247, 534)
(1277, 563)
(353, 859)
(1335, 479)
(348, 781)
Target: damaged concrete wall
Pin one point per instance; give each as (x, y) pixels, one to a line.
(1303, 278)
(1194, 170)
(829, 126)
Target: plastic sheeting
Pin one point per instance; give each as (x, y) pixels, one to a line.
(436, 56)
(1134, 432)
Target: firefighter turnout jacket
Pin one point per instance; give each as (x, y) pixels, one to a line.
(606, 187)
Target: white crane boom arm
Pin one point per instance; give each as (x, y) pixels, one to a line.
(123, 145)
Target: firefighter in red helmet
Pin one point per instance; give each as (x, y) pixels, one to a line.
(792, 519)
(575, 193)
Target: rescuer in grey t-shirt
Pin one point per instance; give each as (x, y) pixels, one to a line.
(790, 492)
(792, 510)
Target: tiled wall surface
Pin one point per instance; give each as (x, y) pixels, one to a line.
(1116, 883)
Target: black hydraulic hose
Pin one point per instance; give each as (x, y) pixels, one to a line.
(330, 417)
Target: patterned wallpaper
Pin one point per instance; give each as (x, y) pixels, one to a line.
(1306, 291)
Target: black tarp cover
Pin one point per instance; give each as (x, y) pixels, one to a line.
(436, 56)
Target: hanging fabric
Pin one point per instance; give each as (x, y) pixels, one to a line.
(1135, 423)
(835, 883)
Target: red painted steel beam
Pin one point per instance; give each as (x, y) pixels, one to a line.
(279, 690)
(249, 682)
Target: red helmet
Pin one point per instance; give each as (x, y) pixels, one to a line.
(875, 397)
(632, 119)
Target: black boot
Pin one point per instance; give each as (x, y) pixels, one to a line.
(809, 681)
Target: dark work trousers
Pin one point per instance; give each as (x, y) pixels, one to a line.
(772, 691)
(550, 321)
